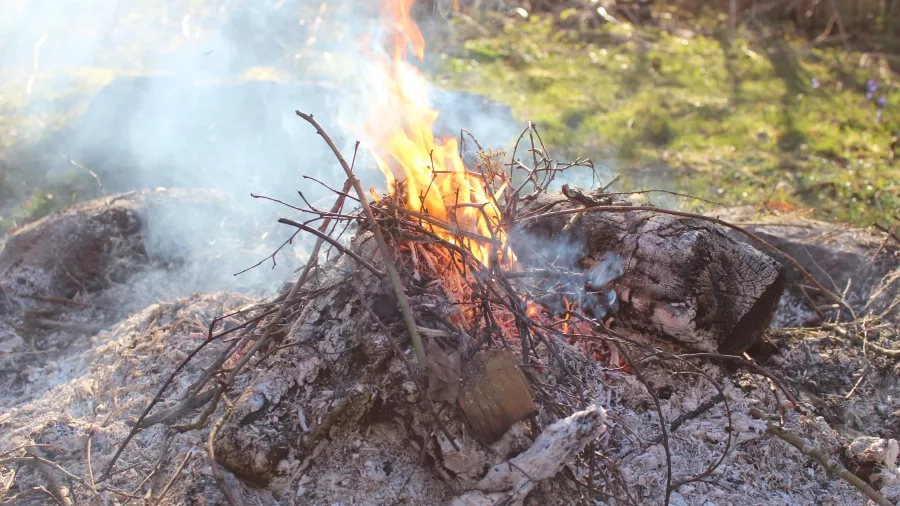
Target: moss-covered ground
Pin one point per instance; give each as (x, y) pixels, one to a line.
(741, 118)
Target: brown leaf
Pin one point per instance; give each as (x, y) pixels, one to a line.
(443, 373)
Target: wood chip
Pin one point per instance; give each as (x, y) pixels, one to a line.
(495, 394)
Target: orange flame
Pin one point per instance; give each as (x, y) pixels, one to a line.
(432, 172)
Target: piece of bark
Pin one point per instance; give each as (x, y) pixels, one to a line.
(681, 279)
(495, 394)
(510, 482)
(443, 373)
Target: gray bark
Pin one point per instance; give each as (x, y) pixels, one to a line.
(682, 279)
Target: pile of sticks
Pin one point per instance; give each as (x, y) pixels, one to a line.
(501, 303)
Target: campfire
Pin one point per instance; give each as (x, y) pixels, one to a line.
(470, 320)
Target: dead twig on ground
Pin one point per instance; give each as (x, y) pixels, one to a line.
(165, 490)
(887, 231)
(49, 465)
(874, 348)
(831, 466)
(217, 473)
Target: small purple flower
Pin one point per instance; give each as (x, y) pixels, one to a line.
(815, 83)
(881, 101)
(872, 86)
(869, 95)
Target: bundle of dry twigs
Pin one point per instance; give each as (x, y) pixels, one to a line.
(487, 300)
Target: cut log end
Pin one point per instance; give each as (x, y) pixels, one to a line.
(495, 394)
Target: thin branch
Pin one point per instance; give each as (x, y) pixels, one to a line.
(340, 247)
(171, 481)
(217, 473)
(831, 466)
(396, 283)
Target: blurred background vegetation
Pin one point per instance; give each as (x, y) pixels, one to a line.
(785, 105)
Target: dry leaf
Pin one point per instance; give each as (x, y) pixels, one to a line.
(443, 373)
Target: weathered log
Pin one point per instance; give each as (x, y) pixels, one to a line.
(84, 247)
(681, 279)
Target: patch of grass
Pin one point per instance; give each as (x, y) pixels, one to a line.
(742, 119)
(28, 112)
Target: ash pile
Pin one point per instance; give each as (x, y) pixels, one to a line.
(511, 345)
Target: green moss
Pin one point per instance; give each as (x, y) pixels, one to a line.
(735, 119)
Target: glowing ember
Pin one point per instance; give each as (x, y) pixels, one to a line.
(565, 328)
(430, 172)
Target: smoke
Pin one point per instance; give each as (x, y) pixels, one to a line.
(569, 250)
(202, 95)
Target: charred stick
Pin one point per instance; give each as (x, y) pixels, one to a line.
(888, 232)
(159, 465)
(874, 348)
(56, 300)
(176, 412)
(387, 334)
(169, 483)
(690, 415)
(53, 484)
(664, 433)
(313, 256)
(259, 344)
(23, 447)
(396, 283)
(44, 466)
(216, 394)
(90, 468)
(107, 472)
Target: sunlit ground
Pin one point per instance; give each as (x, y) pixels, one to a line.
(743, 120)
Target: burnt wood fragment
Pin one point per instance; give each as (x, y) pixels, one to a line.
(682, 279)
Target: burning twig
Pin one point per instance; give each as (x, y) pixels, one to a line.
(396, 283)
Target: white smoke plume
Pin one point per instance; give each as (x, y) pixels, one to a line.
(178, 93)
